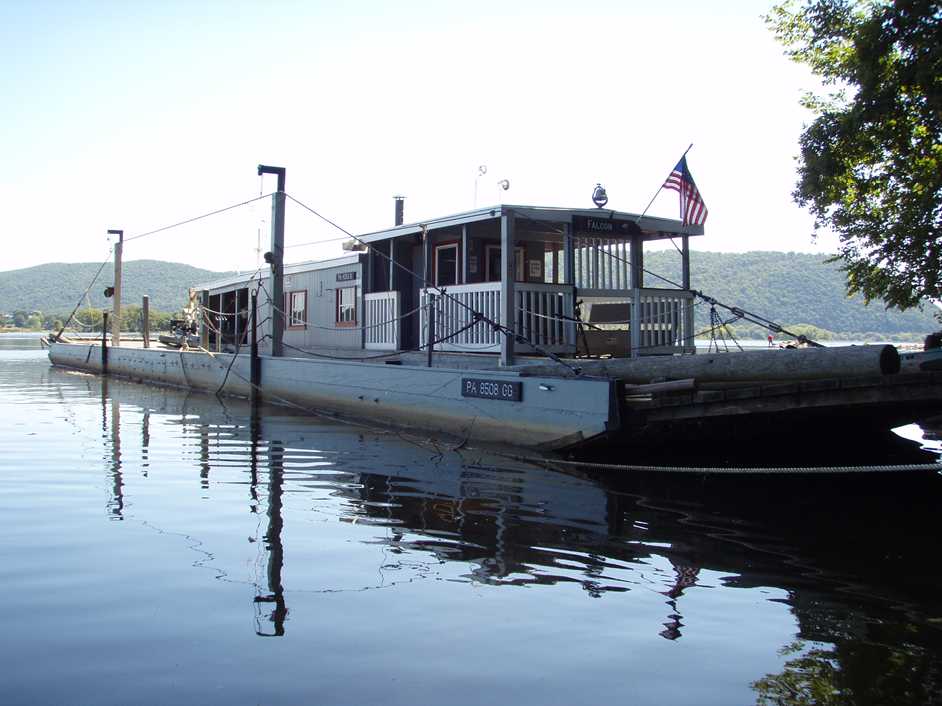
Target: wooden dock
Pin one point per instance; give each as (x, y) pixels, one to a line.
(744, 409)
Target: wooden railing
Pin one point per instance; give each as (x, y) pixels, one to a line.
(542, 314)
(654, 321)
(661, 321)
(601, 263)
(637, 322)
(381, 321)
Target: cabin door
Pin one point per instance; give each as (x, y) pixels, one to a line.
(446, 264)
(492, 269)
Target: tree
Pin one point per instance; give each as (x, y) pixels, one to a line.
(870, 166)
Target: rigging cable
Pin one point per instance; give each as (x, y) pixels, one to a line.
(151, 232)
(739, 312)
(195, 218)
(84, 294)
(719, 470)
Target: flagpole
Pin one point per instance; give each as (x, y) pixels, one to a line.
(661, 187)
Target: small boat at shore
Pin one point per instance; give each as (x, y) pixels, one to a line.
(521, 325)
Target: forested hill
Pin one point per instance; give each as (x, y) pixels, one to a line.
(56, 287)
(788, 288)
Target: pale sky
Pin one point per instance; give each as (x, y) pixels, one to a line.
(139, 114)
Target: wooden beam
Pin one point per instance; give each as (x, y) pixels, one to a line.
(508, 298)
(145, 314)
(465, 242)
(766, 365)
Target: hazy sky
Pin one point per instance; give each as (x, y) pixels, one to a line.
(139, 114)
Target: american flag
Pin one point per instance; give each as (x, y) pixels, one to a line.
(693, 210)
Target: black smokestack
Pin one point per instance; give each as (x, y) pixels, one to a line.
(400, 201)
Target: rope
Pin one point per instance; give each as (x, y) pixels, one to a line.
(309, 324)
(195, 218)
(84, 294)
(360, 359)
(733, 470)
(738, 312)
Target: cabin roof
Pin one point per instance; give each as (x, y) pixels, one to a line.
(290, 269)
(653, 227)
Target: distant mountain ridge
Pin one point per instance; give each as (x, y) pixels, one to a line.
(788, 288)
(56, 286)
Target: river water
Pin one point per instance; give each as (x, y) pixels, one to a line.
(160, 547)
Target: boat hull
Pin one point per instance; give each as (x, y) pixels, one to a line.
(552, 413)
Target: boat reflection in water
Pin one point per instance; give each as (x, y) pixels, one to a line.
(855, 568)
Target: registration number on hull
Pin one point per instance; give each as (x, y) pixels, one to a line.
(492, 389)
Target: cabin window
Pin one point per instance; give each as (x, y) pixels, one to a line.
(296, 309)
(492, 273)
(446, 264)
(346, 306)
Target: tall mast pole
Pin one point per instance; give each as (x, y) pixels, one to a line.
(277, 259)
(116, 304)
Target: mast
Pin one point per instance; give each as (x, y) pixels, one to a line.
(116, 304)
(276, 258)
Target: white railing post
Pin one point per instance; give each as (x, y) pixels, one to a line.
(634, 328)
(381, 322)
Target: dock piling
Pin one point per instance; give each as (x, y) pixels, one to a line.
(104, 342)
(145, 314)
(255, 365)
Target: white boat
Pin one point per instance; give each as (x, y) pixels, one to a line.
(478, 324)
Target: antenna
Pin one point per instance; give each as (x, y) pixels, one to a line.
(502, 185)
(482, 170)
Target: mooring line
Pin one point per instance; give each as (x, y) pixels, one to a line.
(719, 470)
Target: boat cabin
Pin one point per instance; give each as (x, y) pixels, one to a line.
(566, 281)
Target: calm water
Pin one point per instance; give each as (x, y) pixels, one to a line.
(160, 548)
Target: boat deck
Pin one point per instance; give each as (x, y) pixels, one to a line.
(440, 359)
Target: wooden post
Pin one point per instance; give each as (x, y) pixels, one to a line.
(104, 343)
(145, 315)
(465, 261)
(220, 320)
(689, 341)
(431, 326)
(637, 261)
(278, 273)
(204, 320)
(236, 332)
(427, 267)
(508, 298)
(116, 301)
(569, 277)
(369, 286)
(255, 364)
(277, 259)
(637, 282)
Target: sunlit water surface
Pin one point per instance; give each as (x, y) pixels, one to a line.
(160, 548)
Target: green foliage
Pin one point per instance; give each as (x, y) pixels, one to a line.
(811, 676)
(854, 668)
(89, 320)
(58, 286)
(871, 162)
(787, 288)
